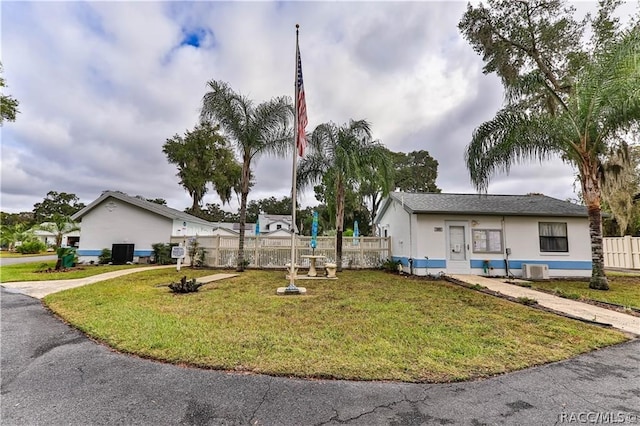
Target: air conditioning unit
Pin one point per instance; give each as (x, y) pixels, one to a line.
(535, 272)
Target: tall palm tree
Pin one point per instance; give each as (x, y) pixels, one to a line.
(254, 130)
(340, 156)
(605, 101)
(59, 225)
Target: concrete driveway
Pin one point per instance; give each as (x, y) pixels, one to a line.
(53, 375)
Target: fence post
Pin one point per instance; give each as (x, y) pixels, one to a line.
(217, 249)
(256, 256)
(626, 246)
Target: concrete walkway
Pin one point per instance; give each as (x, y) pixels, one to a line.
(40, 289)
(624, 322)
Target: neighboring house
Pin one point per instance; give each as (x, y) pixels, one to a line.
(228, 229)
(277, 233)
(225, 231)
(274, 222)
(69, 239)
(506, 234)
(130, 225)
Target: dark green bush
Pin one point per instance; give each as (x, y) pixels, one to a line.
(31, 247)
(162, 253)
(390, 266)
(185, 286)
(105, 256)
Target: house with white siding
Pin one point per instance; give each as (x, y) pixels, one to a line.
(270, 223)
(533, 235)
(129, 226)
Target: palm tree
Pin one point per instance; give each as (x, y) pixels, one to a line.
(604, 102)
(341, 156)
(11, 234)
(254, 130)
(59, 225)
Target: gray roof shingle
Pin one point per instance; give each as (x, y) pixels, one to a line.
(158, 209)
(486, 204)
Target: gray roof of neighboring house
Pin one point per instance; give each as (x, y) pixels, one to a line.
(274, 218)
(486, 204)
(158, 209)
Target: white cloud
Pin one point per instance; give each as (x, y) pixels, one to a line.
(102, 85)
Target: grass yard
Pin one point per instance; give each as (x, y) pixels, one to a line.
(33, 271)
(368, 325)
(624, 289)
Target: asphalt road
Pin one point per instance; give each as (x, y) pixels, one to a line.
(26, 259)
(53, 375)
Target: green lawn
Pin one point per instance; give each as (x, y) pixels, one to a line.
(623, 289)
(34, 271)
(368, 325)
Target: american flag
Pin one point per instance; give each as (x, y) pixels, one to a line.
(301, 113)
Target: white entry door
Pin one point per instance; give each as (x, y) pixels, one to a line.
(458, 248)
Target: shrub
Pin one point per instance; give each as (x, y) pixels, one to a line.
(185, 286)
(105, 256)
(527, 301)
(31, 247)
(390, 266)
(196, 253)
(43, 267)
(162, 253)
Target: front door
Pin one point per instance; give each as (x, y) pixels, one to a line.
(457, 248)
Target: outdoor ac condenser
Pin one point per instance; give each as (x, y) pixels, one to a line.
(535, 272)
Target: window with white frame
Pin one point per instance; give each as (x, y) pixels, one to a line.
(487, 240)
(553, 237)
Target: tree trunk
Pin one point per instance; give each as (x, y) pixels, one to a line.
(339, 223)
(195, 207)
(591, 193)
(243, 211)
(376, 199)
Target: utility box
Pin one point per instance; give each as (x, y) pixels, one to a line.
(68, 260)
(535, 272)
(121, 253)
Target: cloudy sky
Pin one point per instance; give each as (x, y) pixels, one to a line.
(102, 85)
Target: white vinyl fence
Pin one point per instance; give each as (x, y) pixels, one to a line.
(622, 252)
(275, 252)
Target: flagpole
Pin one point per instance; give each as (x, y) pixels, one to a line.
(292, 279)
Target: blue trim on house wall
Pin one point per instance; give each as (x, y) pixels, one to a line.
(421, 263)
(576, 265)
(99, 252)
(582, 265)
(89, 252)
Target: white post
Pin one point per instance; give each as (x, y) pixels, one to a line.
(292, 276)
(627, 253)
(179, 258)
